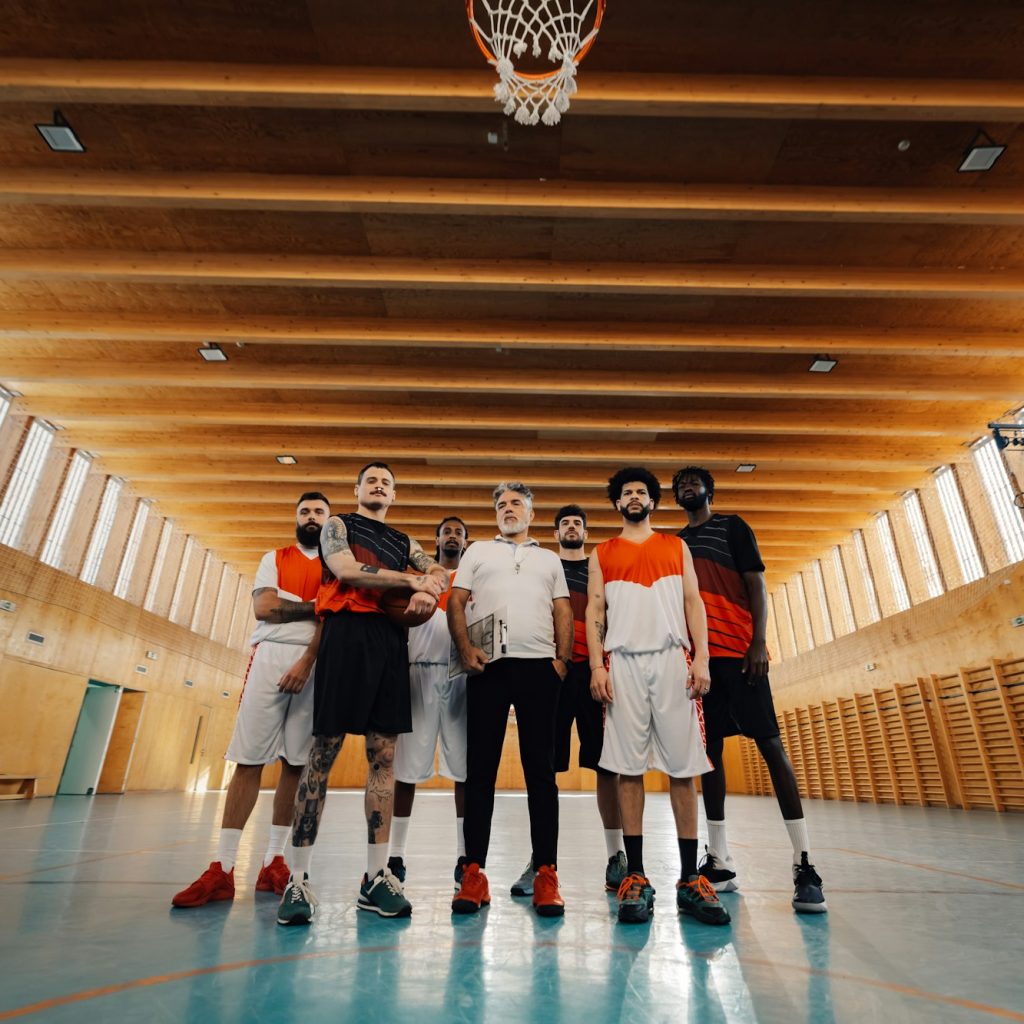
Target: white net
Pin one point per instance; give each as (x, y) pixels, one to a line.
(555, 28)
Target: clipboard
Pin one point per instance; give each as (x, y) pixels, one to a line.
(489, 633)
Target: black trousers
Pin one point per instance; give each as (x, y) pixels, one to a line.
(533, 686)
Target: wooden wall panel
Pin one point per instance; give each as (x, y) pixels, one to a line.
(120, 749)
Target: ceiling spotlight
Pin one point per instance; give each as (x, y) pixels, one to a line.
(982, 153)
(287, 460)
(823, 364)
(60, 136)
(903, 145)
(746, 467)
(213, 353)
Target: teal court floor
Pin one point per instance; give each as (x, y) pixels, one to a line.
(926, 922)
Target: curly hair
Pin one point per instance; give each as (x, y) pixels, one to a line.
(700, 473)
(629, 474)
(570, 510)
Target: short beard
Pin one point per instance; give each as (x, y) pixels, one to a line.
(694, 503)
(375, 504)
(636, 517)
(510, 530)
(571, 545)
(307, 538)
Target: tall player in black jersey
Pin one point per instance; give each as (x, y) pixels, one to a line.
(361, 683)
(576, 702)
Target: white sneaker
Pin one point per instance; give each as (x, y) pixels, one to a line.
(720, 873)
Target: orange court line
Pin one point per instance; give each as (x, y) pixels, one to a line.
(929, 867)
(162, 979)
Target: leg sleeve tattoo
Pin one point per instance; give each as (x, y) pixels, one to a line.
(380, 786)
(312, 790)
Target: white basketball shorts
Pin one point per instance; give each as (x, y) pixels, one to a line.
(651, 722)
(272, 724)
(438, 713)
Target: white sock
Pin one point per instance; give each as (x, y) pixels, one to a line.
(279, 835)
(302, 857)
(460, 838)
(399, 830)
(227, 847)
(613, 841)
(797, 829)
(376, 858)
(717, 843)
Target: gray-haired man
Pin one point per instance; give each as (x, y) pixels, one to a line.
(516, 580)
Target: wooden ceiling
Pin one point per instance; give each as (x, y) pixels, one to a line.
(310, 185)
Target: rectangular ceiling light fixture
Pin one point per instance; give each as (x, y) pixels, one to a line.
(60, 136)
(287, 460)
(213, 353)
(982, 153)
(746, 467)
(823, 364)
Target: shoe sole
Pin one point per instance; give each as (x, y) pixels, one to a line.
(380, 911)
(703, 918)
(202, 903)
(549, 910)
(518, 890)
(810, 908)
(288, 921)
(468, 906)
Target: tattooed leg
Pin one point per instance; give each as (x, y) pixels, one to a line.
(380, 786)
(312, 791)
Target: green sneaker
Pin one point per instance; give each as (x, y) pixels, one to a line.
(298, 904)
(636, 900)
(383, 895)
(698, 898)
(615, 872)
(523, 885)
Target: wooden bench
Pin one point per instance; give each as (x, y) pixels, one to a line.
(17, 787)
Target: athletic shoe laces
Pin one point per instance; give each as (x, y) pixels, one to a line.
(393, 885)
(704, 888)
(631, 887)
(300, 892)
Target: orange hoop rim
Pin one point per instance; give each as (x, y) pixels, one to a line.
(541, 75)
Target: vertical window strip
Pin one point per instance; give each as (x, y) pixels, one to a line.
(996, 481)
(24, 480)
(959, 525)
(865, 570)
(201, 593)
(826, 615)
(101, 531)
(158, 565)
(923, 543)
(789, 619)
(60, 525)
(844, 590)
(131, 551)
(5, 405)
(805, 612)
(179, 584)
(887, 542)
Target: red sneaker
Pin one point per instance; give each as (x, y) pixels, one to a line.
(212, 885)
(546, 900)
(273, 877)
(474, 892)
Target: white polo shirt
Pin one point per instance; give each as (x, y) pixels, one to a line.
(524, 578)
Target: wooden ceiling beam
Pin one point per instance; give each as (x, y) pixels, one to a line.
(511, 335)
(93, 412)
(492, 197)
(427, 89)
(319, 271)
(336, 377)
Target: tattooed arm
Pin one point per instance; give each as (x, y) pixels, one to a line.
(269, 606)
(422, 562)
(340, 560)
(600, 682)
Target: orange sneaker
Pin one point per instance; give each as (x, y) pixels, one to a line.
(546, 900)
(474, 892)
(273, 877)
(212, 885)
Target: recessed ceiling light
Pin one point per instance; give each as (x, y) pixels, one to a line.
(823, 364)
(746, 467)
(213, 353)
(982, 153)
(60, 136)
(287, 460)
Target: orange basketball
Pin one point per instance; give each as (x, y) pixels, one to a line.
(395, 605)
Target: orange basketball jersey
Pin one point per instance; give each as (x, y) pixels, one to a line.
(643, 586)
(297, 575)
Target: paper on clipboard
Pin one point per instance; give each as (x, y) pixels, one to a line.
(489, 633)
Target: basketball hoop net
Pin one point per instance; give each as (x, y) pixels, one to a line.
(503, 29)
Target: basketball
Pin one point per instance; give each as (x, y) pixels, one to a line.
(395, 605)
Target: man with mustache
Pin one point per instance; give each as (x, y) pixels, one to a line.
(438, 711)
(362, 684)
(512, 576)
(731, 576)
(275, 714)
(643, 607)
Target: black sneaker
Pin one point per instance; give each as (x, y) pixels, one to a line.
(807, 895)
(397, 867)
(460, 867)
(718, 872)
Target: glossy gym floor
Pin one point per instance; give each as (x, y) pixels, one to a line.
(924, 924)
